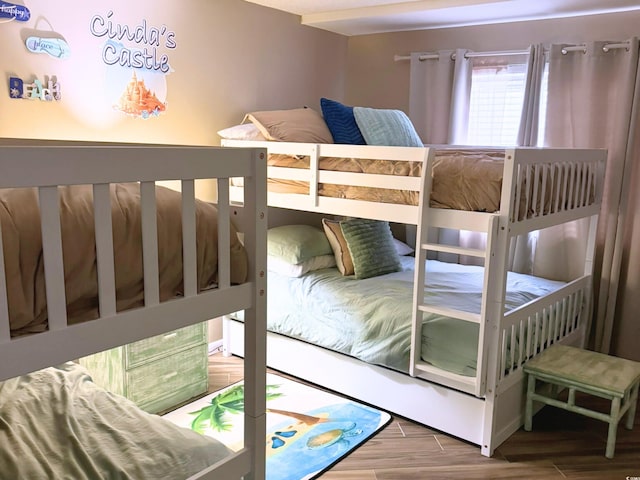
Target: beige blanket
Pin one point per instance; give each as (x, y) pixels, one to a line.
(23, 257)
(468, 180)
(462, 180)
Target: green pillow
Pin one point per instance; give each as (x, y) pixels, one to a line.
(297, 243)
(371, 246)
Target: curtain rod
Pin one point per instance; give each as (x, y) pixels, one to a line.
(433, 56)
(565, 50)
(605, 48)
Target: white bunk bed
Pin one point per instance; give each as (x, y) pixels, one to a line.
(28, 359)
(539, 188)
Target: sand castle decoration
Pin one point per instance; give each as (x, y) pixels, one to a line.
(138, 101)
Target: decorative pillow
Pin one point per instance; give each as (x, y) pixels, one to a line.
(296, 243)
(299, 269)
(339, 245)
(247, 131)
(341, 122)
(402, 248)
(386, 127)
(371, 247)
(297, 125)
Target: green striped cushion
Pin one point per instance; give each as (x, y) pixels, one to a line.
(370, 244)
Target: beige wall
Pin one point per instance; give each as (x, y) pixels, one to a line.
(230, 57)
(374, 79)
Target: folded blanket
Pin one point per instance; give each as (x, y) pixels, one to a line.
(22, 239)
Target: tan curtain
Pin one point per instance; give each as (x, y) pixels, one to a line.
(592, 102)
(430, 87)
(530, 117)
(523, 247)
(439, 91)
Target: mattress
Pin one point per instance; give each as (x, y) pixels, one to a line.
(467, 180)
(370, 319)
(57, 423)
(462, 180)
(22, 241)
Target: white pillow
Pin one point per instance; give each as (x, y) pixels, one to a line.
(402, 248)
(286, 269)
(246, 131)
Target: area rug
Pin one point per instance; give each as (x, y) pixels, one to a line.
(308, 430)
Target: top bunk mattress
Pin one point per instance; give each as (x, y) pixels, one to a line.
(468, 180)
(24, 262)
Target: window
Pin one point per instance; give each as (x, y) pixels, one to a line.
(496, 100)
(495, 105)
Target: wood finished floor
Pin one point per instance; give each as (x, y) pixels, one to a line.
(562, 445)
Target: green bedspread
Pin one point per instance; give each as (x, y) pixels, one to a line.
(370, 319)
(57, 424)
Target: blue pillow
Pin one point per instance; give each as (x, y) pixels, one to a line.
(391, 128)
(341, 122)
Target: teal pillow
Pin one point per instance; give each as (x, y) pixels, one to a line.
(297, 243)
(390, 128)
(371, 246)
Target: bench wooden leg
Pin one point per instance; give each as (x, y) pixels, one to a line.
(632, 408)
(528, 411)
(613, 427)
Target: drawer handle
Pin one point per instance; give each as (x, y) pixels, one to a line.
(169, 336)
(169, 375)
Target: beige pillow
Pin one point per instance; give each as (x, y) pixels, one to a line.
(333, 231)
(298, 125)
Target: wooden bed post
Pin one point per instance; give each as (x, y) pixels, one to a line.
(255, 341)
(495, 288)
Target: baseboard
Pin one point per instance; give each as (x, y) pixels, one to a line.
(215, 347)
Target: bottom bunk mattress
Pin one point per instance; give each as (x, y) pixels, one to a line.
(57, 423)
(370, 319)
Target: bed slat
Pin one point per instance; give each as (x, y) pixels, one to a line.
(52, 253)
(224, 231)
(189, 252)
(104, 249)
(150, 243)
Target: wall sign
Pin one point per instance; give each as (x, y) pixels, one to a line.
(14, 12)
(135, 58)
(37, 90)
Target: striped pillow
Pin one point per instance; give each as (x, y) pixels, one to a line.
(371, 247)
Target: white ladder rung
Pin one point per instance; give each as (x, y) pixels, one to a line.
(472, 252)
(451, 312)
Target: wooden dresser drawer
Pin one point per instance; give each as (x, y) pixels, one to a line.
(157, 373)
(161, 384)
(162, 345)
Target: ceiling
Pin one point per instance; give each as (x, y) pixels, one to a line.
(361, 17)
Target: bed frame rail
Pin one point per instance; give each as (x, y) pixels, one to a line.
(314, 202)
(560, 317)
(545, 187)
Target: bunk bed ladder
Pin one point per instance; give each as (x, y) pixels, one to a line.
(471, 384)
(493, 285)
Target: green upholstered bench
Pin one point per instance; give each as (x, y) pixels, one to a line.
(605, 376)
